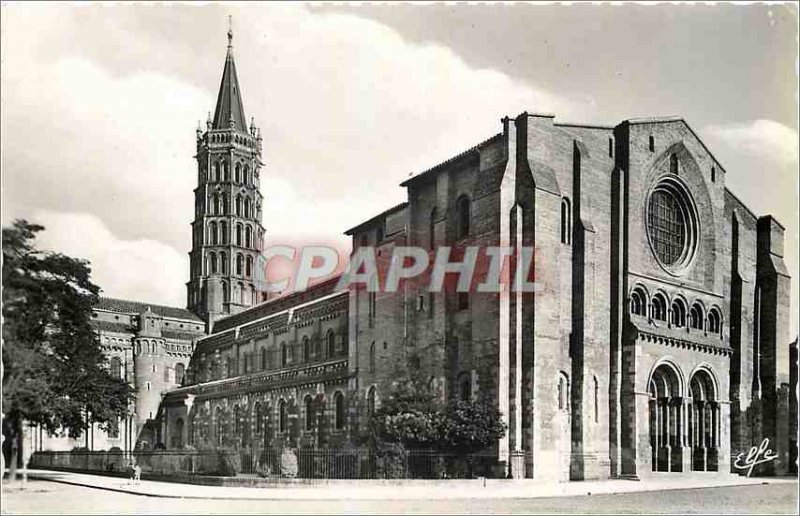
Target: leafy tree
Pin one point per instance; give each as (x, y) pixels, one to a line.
(469, 426)
(54, 371)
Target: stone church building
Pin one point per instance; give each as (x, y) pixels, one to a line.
(650, 346)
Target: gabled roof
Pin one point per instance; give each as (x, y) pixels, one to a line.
(374, 219)
(136, 307)
(229, 100)
(449, 161)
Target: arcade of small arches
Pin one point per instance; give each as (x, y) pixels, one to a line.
(682, 418)
(266, 358)
(264, 420)
(231, 138)
(676, 312)
(242, 173)
(244, 206)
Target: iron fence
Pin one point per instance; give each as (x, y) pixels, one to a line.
(304, 463)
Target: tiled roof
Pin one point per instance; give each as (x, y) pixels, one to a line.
(276, 305)
(136, 307)
(448, 161)
(391, 210)
(179, 335)
(112, 326)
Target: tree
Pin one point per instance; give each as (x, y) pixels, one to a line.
(54, 370)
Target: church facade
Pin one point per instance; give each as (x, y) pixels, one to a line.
(650, 345)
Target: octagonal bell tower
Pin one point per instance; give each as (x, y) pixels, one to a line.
(227, 234)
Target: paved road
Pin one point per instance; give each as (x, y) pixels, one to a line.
(43, 497)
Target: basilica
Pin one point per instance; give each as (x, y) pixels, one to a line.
(650, 346)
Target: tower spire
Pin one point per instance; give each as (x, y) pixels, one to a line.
(229, 113)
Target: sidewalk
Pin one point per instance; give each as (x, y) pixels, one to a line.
(402, 489)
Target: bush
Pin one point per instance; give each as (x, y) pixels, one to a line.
(390, 460)
(288, 463)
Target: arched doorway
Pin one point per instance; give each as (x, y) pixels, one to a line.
(666, 418)
(704, 421)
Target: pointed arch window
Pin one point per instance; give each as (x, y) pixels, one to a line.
(566, 221)
(212, 263)
(239, 264)
(238, 205)
(239, 234)
(212, 233)
(248, 208)
(463, 217)
(248, 237)
(248, 269)
(238, 173)
(223, 264)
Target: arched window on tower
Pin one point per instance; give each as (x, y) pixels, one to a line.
(239, 264)
(225, 204)
(180, 370)
(248, 268)
(238, 205)
(212, 263)
(238, 173)
(239, 234)
(463, 217)
(223, 263)
(223, 233)
(566, 221)
(212, 233)
(248, 237)
(241, 293)
(247, 177)
(216, 171)
(225, 171)
(248, 208)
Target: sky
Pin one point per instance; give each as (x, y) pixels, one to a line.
(100, 103)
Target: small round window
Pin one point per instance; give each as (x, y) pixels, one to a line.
(672, 224)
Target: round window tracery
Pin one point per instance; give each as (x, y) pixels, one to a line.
(672, 224)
